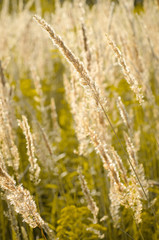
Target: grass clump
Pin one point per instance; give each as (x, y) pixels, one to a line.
(79, 122)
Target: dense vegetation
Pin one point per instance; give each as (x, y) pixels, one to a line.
(79, 143)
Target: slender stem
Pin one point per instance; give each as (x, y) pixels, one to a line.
(111, 125)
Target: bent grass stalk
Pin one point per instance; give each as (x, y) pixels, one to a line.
(134, 85)
(87, 80)
(22, 201)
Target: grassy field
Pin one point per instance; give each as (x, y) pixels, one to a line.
(79, 120)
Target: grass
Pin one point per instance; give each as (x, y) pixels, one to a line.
(79, 121)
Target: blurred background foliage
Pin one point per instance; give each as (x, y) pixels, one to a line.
(49, 5)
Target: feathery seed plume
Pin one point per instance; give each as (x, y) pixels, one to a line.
(34, 167)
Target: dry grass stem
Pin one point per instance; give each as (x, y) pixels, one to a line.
(129, 77)
(91, 203)
(34, 167)
(123, 113)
